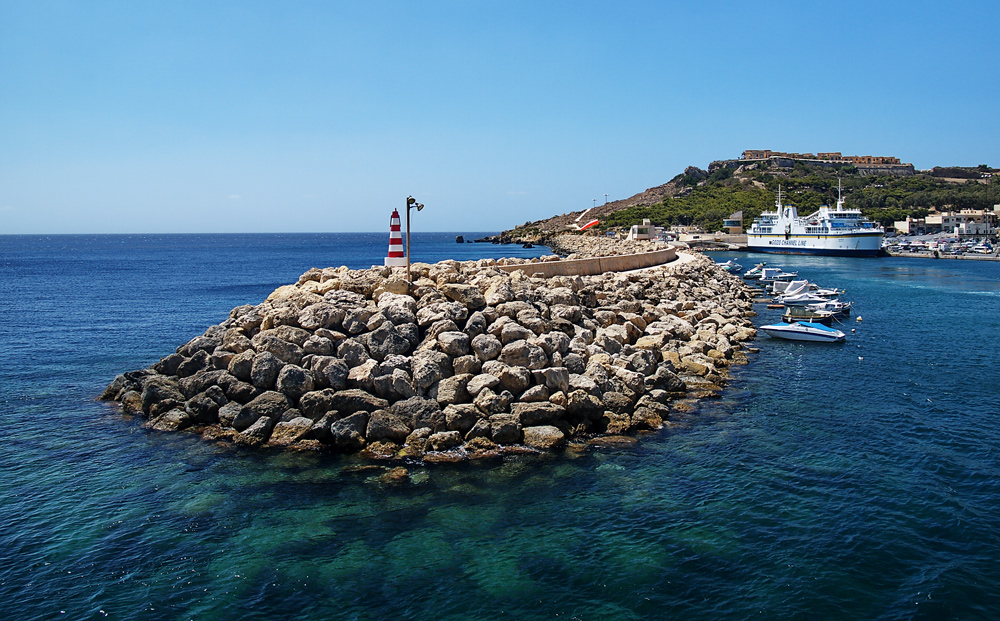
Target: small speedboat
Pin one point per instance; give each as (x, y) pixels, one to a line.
(730, 266)
(801, 331)
(754, 272)
(835, 306)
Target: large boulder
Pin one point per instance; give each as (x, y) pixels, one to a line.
(429, 367)
(321, 315)
(160, 388)
(294, 381)
(486, 347)
(290, 432)
(468, 295)
(523, 354)
(348, 433)
(544, 437)
(505, 429)
(454, 389)
(539, 413)
(265, 370)
(454, 343)
(398, 308)
(270, 405)
(461, 417)
(270, 341)
(384, 425)
(419, 412)
(385, 341)
(353, 400)
(330, 372)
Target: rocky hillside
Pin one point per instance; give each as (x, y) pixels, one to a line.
(705, 198)
(470, 362)
(540, 230)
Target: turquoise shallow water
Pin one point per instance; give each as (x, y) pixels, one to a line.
(845, 481)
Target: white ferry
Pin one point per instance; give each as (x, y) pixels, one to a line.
(840, 231)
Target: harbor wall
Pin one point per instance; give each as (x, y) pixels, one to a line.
(595, 265)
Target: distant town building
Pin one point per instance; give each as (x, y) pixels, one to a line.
(863, 160)
(642, 231)
(734, 223)
(964, 223)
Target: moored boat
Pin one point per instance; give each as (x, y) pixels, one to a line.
(803, 331)
(754, 272)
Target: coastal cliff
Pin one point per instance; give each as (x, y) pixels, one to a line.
(469, 362)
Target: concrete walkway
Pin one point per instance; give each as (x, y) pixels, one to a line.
(682, 258)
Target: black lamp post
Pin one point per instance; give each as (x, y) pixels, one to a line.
(410, 202)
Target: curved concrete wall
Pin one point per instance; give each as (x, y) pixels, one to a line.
(595, 265)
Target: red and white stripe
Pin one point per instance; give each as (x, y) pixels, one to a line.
(396, 257)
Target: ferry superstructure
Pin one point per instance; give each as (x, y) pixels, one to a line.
(840, 231)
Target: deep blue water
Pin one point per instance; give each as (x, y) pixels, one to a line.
(859, 480)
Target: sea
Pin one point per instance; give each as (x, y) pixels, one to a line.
(827, 481)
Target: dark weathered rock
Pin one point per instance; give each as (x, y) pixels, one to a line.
(515, 379)
(461, 417)
(429, 367)
(204, 407)
(581, 403)
(486, 346)
(258, 433)
(287, 433)
(294, 381)
(158, 388)
(228, 413)
(352, 352)
(386, 341)
(316, 403)
(264, 373)
(384, 425)
(200, 381)
(198, 361)
(347, 434)
(505, 428)
(419, 412)
(540, 413)
(443, 440)
(174, 420)
(545, 437)
(270, 405)
(523, 354)
(241, 365)
(454, 343)
(454, 389)
(169, 364)
(353, 400)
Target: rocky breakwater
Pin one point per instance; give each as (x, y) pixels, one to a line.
(469, 362)
(587, 246)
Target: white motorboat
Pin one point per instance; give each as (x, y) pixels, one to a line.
(801, 331)
(800, 299)
(834, 306)
(754, 272)
(730, 266)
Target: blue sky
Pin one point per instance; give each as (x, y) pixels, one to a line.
(135, 117)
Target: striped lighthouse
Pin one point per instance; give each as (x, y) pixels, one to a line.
(396, 257)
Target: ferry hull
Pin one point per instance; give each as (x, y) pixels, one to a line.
(855, 246)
